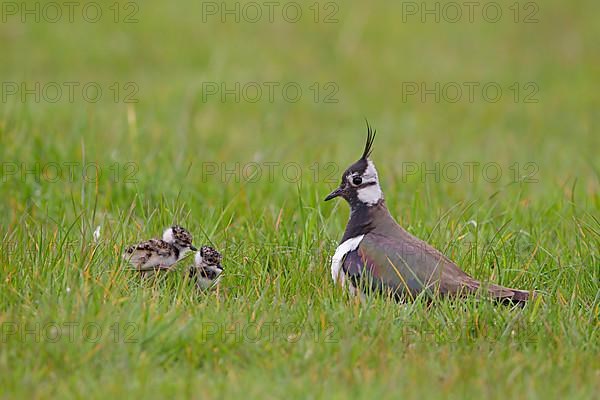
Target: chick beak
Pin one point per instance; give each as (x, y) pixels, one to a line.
(337, 192)
(192, 248)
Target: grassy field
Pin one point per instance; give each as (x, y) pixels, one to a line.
(237, 125)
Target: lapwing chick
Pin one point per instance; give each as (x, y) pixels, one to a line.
(160, 254)
(207, 268)
(377, 255)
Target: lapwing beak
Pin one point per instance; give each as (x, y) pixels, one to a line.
(337, 192)
(192, 248)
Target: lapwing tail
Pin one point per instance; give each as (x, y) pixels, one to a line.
(511, 296)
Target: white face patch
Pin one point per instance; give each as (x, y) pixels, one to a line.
(198, 260)
(168, 236)
(370, 174)
(371, 194)
(343, 249)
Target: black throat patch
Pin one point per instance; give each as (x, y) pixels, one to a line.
(361, 220)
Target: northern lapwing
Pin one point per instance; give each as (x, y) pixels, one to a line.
(377, 255)
(207, 268)
(160, 254)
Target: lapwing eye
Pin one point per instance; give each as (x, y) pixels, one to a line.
(357, 180)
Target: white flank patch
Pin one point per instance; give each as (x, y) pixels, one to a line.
(343, 249)
(168, 236)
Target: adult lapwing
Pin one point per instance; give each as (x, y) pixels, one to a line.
(377, 255)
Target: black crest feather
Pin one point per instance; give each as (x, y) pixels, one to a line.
(370, 139)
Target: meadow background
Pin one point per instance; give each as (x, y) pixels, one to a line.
(159, 147)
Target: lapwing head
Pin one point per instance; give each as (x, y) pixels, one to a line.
(360, 184)
(208, 257)
(207, 267)
(179, 237)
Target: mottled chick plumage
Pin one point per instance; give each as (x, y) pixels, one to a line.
(206, 270)
(160, 254)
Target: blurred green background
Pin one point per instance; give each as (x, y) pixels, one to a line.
(157, 133)
(370, 54)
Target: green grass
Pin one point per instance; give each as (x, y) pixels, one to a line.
(277, 326)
